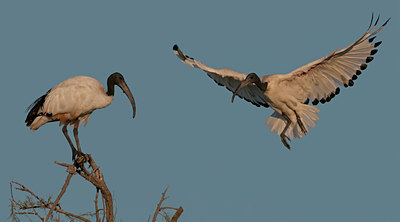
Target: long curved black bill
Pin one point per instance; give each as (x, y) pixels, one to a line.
(128, 93)
(242, 84)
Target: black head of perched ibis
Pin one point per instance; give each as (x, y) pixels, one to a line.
(72, 101)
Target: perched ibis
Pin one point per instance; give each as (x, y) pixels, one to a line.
(72, 101)
(289, 94)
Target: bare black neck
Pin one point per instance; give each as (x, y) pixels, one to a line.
(113, 80)
(110, 87)
(261, 86)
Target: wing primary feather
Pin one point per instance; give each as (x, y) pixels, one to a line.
(377, 20)
(386, 22)
(372, 19)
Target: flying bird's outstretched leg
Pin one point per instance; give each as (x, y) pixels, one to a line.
(74, 151)
(300, 123)
(283, 134)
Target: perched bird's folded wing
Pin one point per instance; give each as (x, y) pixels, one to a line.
(319, 81)
(229, 78)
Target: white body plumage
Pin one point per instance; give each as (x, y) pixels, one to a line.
(72, 102)
(73, 99)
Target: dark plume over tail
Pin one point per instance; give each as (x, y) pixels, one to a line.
(34, 109)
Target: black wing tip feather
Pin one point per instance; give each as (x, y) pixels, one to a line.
(377, 20)
(377, 44)
(350, 82)
(326, 99)
(372, 20)
(363, 66)
(371, 39)
(374, 51)
(386, 22)
(369, 59)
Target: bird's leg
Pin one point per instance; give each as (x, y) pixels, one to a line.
(283, 134)
(300, 123)
(76, 125)
(74, 152)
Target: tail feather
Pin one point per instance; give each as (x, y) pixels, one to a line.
(308, 115)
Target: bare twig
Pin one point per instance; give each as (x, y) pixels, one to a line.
(104, 205)
(96, 206)
(72, 215)
(160, 208)
(23, 188)
(34, 213)
(171, 208)
(64, 188)
(177, 214)
(159, 205)
(41, 205)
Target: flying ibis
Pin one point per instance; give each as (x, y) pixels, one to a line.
(289, 94)
(72, 101)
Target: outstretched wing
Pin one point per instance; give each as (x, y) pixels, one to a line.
(319, 81)
(229, 78)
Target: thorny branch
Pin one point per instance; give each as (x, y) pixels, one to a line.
(29, 207)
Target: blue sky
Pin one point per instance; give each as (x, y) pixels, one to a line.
(220, 161)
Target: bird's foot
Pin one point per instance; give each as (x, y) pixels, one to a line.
(303, 129)
(80, 159)
(77, 154)
(301, 125)
(283, 138)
